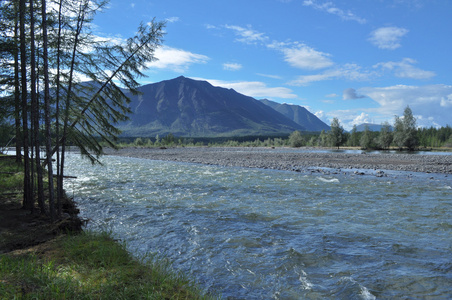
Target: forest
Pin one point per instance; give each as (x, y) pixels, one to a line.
(48, 53)
(403, 135)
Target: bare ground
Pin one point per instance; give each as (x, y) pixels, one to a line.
(19, 229)
(294, 159)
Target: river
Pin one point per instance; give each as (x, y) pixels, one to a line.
(265, 234)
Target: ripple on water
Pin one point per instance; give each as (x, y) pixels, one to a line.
(258, 234)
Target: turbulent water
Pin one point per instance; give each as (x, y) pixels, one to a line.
(264, 234)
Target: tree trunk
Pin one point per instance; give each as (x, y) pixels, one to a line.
(27, 201)
(17, 89)
(48, 136)
(35, 112)
(80, 21)
(57, 116)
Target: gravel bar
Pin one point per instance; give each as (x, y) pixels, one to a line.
(291, 159)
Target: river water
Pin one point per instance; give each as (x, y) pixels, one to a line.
(265, 234)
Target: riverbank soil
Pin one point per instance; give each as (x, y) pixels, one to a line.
(19, 229)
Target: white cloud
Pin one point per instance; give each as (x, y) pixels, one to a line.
(269, 76)
(329, 7)
(348, 71)
(332, 95)
(432, 103)
(232, 66)
(322, 116)
(254, 89)
(351, 94)
(446, 101)
(247, 35)
(177, 60)
(305, 57)
(387, 37)
(172, 19)
(405, 69)
(362, 118)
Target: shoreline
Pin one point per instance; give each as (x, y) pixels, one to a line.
(292, 159)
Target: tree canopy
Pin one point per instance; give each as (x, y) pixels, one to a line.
(45, 52)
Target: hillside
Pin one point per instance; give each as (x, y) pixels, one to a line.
(372, 127)
(298, 114)
(192, 108)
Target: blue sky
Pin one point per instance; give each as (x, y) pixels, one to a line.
(357, 60)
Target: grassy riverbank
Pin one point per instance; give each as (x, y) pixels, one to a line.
(38, 260)
(88, 266)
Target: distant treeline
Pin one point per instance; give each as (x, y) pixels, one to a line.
(396, 136)
(427, 137)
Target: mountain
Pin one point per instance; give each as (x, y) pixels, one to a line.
(298, 114)
(372, 127)
(192, 108)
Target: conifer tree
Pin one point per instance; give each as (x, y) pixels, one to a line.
(84, 114)
(336, 135)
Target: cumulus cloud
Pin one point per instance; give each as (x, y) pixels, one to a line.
(351, 94)
(177, 60)
(361, 119)
(348, 71)
(405, 69)
(387, 37)
(446, 101)
(232, 66)
(247, 35)
(432, 103)
(330, 8)
(254, 89)
(305, 57)
(322, 116)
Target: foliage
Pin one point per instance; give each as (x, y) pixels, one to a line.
(296, 140)
(92, 266)
(11, 178)
(336, 136)
(44, 51)
(366, 140)
(384, 140)
(434, 137)
(354, 139)
(405, 132)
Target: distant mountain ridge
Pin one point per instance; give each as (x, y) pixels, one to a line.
(298, 114)
(372, 127)
(192, 108)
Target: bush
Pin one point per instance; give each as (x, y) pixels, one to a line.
(296, 139)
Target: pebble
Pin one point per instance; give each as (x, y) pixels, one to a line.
(294, 159)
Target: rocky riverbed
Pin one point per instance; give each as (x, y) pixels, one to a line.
(295, 159)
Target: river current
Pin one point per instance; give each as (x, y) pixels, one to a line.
(265, 234)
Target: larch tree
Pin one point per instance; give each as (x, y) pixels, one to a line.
(385, 138)
(28, 196)
(405, 131)
(56, 47)
(336, 135)
(410, 128)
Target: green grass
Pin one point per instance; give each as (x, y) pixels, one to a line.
(83, 266)
(11, 176)
(91, 266)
